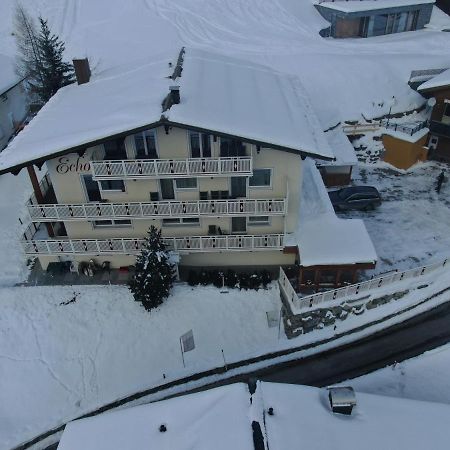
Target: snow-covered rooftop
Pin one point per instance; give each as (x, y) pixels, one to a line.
(222, 418)
(441, 80)
(342, 148)
(413, 138)
(218, 93)
(322, 237)
(369, 5)
(232, 96)
(302, 414)
(216, 419)
(8, 76)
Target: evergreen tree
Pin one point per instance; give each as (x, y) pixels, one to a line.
(153, 277)
(55, 72)
(40, 58)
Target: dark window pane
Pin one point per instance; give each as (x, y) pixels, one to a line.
(92, 189)
(113, 185)
(115, 149)
(195, 144)
(261, 177)
(379, 25)
(206, 145)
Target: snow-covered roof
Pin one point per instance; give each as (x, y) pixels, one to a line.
(218, 93)
(342, 148)
(216, 419)
(8, 76)
(302, 414)
(354, 6)
(222, 418)
(322, 237)
(232, 96)
(413, 138)
(441, 80)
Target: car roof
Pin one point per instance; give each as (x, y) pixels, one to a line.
(360, 189)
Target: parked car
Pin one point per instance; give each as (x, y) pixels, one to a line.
(355, 197)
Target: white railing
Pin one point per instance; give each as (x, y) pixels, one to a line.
(299, 303)
(186, 244)
(169, 168)
(138, 210)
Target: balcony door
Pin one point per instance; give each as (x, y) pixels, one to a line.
(231, 147)
(91, 189)
(167, 191)
(238, 224)
(238, 187)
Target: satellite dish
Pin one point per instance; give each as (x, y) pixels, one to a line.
(431, 101)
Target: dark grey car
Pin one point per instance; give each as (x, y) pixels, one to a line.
(356, 197)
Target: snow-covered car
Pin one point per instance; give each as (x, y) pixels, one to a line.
(355, 197)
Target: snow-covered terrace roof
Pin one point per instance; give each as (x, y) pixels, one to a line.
(216, 419)
(219, 94)
(221, 419)
(441, 80)
(8, 76)
(342, 148)
(323, 238)
(354, 6)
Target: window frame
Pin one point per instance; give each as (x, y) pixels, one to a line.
(194, 188)
(200, 140)
(113, 223)
(102, 189)
(142, 134)
(262, 186)
(181, 222)
(256, 223)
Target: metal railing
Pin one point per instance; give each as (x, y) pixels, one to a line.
(169, 168)
(299, 304)
(406, 128)
(143, 210)
(185, 244)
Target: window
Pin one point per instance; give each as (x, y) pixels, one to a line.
(261, 178)
(186, 183)
(200, 144)
(115, 149)
(184, 221)
(112, 185)
(379, 25)
(145, 144)
(112, 223)
(258, 220)
(231, 147)
(364, 26)
(447, 109)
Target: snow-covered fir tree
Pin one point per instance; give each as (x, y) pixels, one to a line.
(154, 273)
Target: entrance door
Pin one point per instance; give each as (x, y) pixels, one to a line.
(238, 187)
(238, 224)
(167, 192)
(92, 189)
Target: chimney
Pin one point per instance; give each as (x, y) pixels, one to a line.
(82, 70)
(175, 94)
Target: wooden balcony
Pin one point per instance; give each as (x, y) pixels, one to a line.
(188, 244)
(154, 210)
(170, 168)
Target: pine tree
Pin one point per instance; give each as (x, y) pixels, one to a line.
(55, 72)
(153, 277)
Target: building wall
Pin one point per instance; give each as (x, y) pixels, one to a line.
(403, 154)
(66, 173)
(337, 18)
(13, 109)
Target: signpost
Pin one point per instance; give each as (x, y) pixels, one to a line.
(187, 344)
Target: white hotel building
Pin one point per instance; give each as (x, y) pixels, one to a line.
(208, 148)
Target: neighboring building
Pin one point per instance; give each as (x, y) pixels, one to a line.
(367, 18)
(339, 171)
(216, 163)
(437, 89)
(13, 104)
(275, 417)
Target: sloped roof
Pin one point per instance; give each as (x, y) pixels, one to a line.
(369, 5)
(441, 80)
(218, 93)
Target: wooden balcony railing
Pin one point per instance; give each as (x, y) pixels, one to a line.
(170, 168)
(152, 210)
(188, 244)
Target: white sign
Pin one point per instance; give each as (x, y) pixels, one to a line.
(187, 341)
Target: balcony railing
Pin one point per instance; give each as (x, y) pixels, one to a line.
(152, 210)
(169, 168)
(196, 244)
